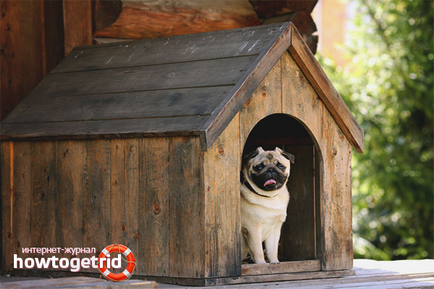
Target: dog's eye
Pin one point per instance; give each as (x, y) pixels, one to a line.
(259, 167)
(281, 167)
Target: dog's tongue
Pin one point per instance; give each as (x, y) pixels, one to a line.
(269, 182)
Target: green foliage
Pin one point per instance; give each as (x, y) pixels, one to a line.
(388, 85)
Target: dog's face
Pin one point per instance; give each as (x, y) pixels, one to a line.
(268, 170)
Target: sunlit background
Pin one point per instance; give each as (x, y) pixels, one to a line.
(379, 55)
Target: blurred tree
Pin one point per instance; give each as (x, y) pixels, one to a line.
(388, 84)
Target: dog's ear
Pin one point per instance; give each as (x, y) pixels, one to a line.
(287, 155)
(251, 155)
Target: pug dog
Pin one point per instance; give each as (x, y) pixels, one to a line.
(264, 199)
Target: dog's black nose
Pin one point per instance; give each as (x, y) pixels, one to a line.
(271, 170)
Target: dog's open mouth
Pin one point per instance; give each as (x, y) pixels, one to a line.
(270, 182)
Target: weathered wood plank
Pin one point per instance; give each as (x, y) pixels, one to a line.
(69, 203)
(328, 94)
(212, 72)
(32, 49)
(187, 243)
(96, 194)
(11, 67)
(174, 126)
(118, 202)
(32, 44)
(21, 206)
(337, 206)
(132, 193)
(154, 206)
(43, 194)
(163, 103)
(194, 47)
(7, 201)
(161, 18)
(221, 167)
(302, 101)
(281, 268)
(245, 87)
(77, 22)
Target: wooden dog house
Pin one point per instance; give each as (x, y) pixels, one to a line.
(140, 143)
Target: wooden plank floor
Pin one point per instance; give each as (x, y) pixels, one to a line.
(369, 274)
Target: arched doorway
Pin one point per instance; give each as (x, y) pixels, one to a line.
(300, 237)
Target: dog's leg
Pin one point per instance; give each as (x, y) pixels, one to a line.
(272, 243)
(253, 237)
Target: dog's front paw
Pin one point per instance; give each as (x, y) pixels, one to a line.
(260, 261)
(273, 260)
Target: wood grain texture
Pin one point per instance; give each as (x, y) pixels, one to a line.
(43, 163)
(70, 185)
(31, 45)
(302, 101)
(77, 21)
(118, 203)
(186, 241)
(193, 47)
(162, 18)
(155, 211)
(21, 203)
(146, 104)
(132, 195)
(266, 100)
(178, 126)
(96, 193)
(7, 198)
(279, 268)
(22, 63)
(225, 71)
(326, 91)
(221, 167)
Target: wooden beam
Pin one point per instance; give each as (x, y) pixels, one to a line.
(271, 8)
(162, 18)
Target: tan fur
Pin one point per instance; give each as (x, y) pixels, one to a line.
(262, 217)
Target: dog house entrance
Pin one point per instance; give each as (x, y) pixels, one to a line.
(300, 238)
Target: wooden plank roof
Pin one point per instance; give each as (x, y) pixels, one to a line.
(184, 85)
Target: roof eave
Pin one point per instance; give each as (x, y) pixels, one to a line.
(245, 87)
(325, 90)
(291, 40)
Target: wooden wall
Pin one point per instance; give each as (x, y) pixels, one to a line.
(35, 36)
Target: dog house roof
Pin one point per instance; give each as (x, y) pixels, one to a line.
(188, 85)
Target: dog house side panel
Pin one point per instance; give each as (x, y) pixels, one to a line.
(187, 243)
(143, 193)
(221, 169)
(301, 101)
